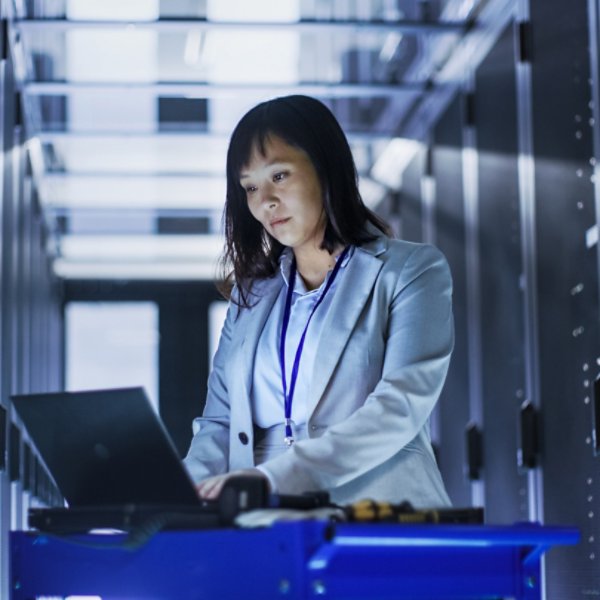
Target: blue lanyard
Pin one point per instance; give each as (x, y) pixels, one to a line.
(288, 396)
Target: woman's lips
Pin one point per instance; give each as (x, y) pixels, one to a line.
(276, 222)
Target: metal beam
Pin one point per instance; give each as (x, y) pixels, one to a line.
(219, 90)
(303, 26)
(50, 137)
(466, 57)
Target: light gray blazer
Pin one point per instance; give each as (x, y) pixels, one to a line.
(379, 370)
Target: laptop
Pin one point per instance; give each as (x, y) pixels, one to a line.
(116, 466)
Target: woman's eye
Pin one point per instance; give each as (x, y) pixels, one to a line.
(250, 189)
(279, 176)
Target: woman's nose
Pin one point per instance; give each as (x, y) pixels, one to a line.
(269, 197)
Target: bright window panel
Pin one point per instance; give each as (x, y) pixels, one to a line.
(216, 317)
(112, 345)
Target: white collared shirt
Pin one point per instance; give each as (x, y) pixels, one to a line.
(267, 391)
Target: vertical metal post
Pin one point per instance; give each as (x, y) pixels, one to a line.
(472, 259)
(528, 251)
(526, 167)
(4, 482)
(428, 207)
(428, 200)
(594, 33)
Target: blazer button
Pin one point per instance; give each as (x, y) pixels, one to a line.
(243, 438)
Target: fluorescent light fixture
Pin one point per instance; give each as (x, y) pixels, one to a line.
(142, 155)
(392, 162)
(262, 11)
(159, 257)
(252, 56)
(119, 55)
(61, 191)
(102, 109)
(106, 55)
(142, 248)
(113, 10)
(176, 271)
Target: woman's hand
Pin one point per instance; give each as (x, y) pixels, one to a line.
(210, 488)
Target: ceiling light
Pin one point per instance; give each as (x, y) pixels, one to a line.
(201, 248)
(112, 10)
(60, 191)
(262, 11)
(176, 271)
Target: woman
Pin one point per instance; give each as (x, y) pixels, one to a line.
(337, 339)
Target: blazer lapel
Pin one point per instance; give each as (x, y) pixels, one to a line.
(351, 293)
(256, 318)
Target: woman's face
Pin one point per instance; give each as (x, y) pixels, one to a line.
(284, 194)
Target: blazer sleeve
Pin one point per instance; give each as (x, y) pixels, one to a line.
(209, 450)
(419, 342)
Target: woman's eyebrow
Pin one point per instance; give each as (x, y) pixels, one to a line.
(274, 162)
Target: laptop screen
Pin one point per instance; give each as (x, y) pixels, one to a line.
(106, 447)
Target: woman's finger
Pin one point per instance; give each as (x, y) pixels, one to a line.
(210, 488)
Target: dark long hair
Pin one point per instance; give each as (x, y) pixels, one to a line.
(251, 253)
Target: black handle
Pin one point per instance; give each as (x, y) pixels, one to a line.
(528, 453)
(27, 452)
(4, 43)
(596, 416)
(474, 452)
(239, 494)
(14, 464)
(3, 445)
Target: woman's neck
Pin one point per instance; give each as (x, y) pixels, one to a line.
(313, 265)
